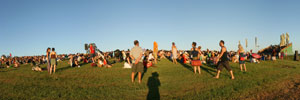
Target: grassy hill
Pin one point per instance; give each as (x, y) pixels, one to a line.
(267, 80)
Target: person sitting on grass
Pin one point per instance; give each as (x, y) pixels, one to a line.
(103, 63)
(73, 61)
(79, 58)
(162, 54)
(255, 60)
(84, 59)
(235, 58)
(150, 57)
(37, 68)
(274, 55)
(215, 58)
(16, 63)
(148, 60)
(76, 61)
(128, 63)
(8, 62)
(100, 63)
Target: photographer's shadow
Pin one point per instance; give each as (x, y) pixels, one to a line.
(153, 86)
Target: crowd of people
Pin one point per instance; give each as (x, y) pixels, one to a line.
(51, 59)
(138, 59)
(35, 61)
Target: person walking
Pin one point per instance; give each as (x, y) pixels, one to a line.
(223, 61)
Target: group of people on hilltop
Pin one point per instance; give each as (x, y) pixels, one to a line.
(136, 57)
(8, 61)
(100, 59)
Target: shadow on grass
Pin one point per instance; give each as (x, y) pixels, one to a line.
(82, 64)
(184, 65)
(216, 68)
(209, 71)
(187, 67)
(153, 87)
(63, 68)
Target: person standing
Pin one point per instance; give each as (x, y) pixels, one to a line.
(48, 59)
(250, 57)
(174, 53)
(92, 51)
(223, 61)
(155, 51)
(200, 55)
(136, 55)
(242, 58)
(195, 57)
(53, 61)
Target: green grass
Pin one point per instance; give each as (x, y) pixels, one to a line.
(177, 82)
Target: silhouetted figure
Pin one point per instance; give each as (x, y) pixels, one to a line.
(296, 57)
(153, 84)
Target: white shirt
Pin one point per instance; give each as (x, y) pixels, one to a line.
(150, 56)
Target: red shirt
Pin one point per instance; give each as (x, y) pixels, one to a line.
(92, 49)
(104, 62)
(184, 59)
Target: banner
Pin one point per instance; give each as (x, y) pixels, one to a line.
(246, 43)
(255, 41)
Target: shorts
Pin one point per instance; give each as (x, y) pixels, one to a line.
(242, 62)
(225, 64)
(139, 67)
(53, 62)
(93, 55)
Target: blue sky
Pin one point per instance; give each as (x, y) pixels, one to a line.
(28, 27)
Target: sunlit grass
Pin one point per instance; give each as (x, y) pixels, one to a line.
(177, 82)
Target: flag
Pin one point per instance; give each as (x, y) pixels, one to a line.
(287, 38)
(246, 43)
(255, 41)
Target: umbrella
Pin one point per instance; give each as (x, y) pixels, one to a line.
(254, 55)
